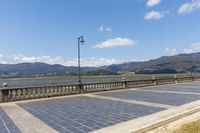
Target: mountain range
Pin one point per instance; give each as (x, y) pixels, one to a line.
(180, 63)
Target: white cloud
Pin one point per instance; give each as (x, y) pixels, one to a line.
(152, 3)
(115, 42)
(108, 29)
(193, 48)
(189, 7)
(92, 62)
(1, 59)
(103, 28)
(170, 51)
(3, 62)
(154, 15)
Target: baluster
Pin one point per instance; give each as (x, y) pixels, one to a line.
(28, 93)
(96, 87)
(54, 90)
(88, 88)
(77, 88)
(33, 92)
(36, 92)
(116, 85)
(18, 93)
(39, 90)
(103, 86)
(60, 90)
(13, 94)
(73, 89)
(84, 88)
(93, 88)
(57, 90)
(24, 93)
(43, 93)
(9, 94)
(64, 88)
(99, 87)
(21, 94)
(47, 91)
(70, 89)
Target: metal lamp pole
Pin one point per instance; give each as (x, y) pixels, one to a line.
(80, 41)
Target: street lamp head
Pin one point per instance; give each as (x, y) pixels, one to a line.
(81, 40)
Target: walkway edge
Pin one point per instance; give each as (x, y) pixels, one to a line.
(153, 121)
(150, 104)
(26, 122)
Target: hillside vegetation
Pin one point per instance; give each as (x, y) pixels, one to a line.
(181, 63)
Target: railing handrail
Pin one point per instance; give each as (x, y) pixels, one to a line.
(89, 83)
(14, 93)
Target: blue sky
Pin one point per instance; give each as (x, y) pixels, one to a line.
(115, 31)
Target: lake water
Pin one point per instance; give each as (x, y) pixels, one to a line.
(54, 81)
(63, 80)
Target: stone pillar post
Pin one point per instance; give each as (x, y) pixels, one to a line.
(5, 92)
(175, 79)
(154, 80)
(124, 82)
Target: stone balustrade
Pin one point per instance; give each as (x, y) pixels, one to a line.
(23, 93)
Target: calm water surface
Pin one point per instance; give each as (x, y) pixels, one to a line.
(17, 82)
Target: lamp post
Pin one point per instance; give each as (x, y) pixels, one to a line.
(80, 41)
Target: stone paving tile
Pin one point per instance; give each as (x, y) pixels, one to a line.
(155, 97)
(84, 114)
(6, 124)
(177, 89)
(194, 84)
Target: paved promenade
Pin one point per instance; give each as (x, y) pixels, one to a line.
(95, 112)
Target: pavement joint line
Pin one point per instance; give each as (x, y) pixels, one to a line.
(5, 124)
(77, 95)
(25, 121)
(157, 105)
(149, 122)
(191, 87)
(172, 92)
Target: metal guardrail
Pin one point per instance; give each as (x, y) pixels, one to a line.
(23, 93)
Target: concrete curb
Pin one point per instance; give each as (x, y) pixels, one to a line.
(153, 121)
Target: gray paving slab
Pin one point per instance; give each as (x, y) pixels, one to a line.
(6, 124)
(178, 89)
(155, 97)
(191, 84)
(84, 114)
(195, 88)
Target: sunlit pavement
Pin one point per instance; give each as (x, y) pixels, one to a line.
(91, 112)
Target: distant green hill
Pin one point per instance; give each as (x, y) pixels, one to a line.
(38, 69)
(167, 64)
